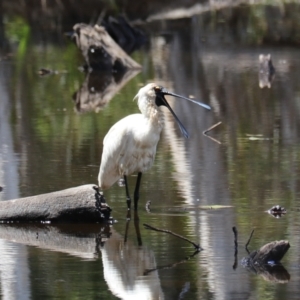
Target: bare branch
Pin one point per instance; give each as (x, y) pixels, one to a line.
(211, 128)
(246, 246)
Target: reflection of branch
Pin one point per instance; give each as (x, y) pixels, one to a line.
(197, 247)
(211, 128)
(147, 271)
(235, 247)
(246, 246)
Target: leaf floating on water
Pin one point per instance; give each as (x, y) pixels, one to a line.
(277, 211)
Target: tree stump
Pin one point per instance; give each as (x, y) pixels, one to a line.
(271, 252)
(266, 261)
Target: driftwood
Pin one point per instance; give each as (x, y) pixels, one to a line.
(76, 204)
(100, 51)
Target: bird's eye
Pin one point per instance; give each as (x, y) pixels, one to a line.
(157, 88)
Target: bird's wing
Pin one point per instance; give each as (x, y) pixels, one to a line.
(117, 145)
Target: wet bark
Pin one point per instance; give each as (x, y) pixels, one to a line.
(77, 204)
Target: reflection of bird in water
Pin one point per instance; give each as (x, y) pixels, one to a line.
(124, 265)
(130, 145)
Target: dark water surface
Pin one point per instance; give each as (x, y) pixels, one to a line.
(49, 143)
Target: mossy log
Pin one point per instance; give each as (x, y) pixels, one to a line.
(77, 204)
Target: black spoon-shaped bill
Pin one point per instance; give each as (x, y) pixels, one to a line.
(182, 128)
(166, 92)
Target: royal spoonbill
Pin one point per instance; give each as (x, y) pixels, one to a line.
(130, 144)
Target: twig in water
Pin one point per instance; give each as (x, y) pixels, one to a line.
(235, 237)
(197, 247)
(211, 128)
(246, 246)
(235, 247)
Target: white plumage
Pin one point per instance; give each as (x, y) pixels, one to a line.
(130, 144)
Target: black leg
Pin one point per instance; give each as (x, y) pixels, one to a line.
(128, 218)
(127, 193)
(137, 190)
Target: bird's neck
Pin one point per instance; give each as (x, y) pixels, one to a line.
(156, 116)
(152, 113)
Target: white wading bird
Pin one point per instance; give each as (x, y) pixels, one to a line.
(130, 144)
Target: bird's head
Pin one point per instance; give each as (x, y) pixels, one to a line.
(155, 94)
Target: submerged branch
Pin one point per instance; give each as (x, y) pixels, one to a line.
(235, 247)
(211, 128)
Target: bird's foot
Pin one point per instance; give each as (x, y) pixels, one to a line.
(101, 204)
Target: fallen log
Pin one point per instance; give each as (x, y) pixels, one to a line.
(77, 204)
(100, 51)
